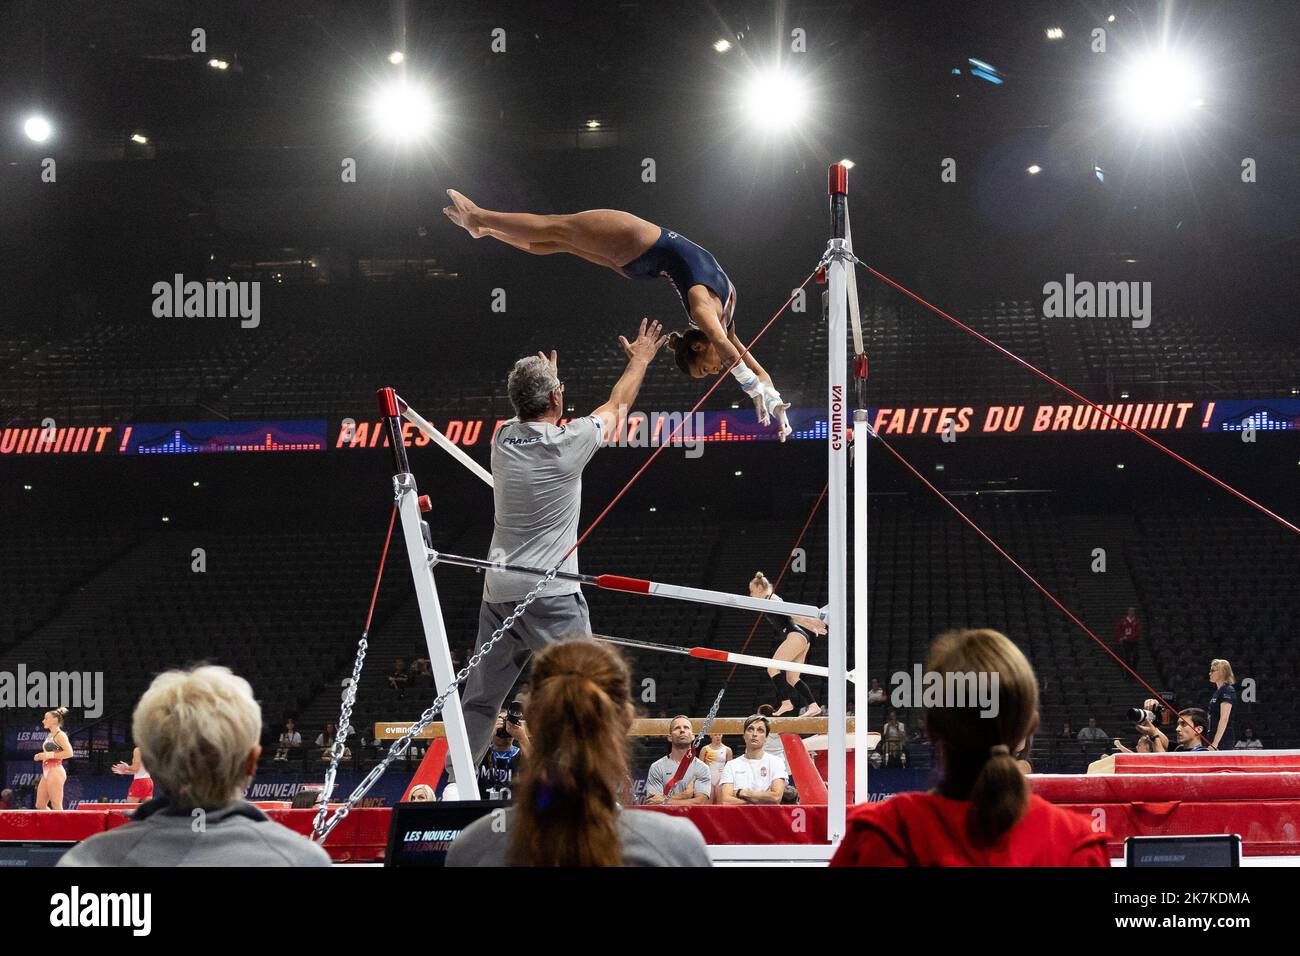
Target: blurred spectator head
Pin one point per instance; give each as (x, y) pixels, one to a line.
(198, 734)
(421, 793)
(1143, 745)
(976, 748)
(580, 710)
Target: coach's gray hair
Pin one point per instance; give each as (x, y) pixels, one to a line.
(530, 385)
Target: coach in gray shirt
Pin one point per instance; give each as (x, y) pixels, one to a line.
(537, 486)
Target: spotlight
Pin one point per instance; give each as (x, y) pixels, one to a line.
(776, 100)
(1120, 466)
(1055, 33)
(27, 487)
(37, 128)
(139, 138)
(195, 484)
(396, 57)
(166, 519)
(722, 46)
(1111, 18)
(402, 111)
(218, 64)
(593, 124)
(1159, 89)
(1034, 170)
(847, 163)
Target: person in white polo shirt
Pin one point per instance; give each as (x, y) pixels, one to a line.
(755, 776)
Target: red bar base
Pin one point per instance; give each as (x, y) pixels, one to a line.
(838, 180)
(860, 365)
(387, 398)
(425, 504)
(820, 278)
(614, 582)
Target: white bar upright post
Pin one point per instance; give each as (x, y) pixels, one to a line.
(419, 551)
(837, 501)
(861, 685)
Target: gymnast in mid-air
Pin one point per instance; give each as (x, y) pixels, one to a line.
(637, 249)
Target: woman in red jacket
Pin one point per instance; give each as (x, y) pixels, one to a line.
(982, 812)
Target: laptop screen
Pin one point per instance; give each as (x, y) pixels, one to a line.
(23, 853)
(1184, 851)
(420, 834)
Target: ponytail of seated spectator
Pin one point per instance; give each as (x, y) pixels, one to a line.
(579, 713)
(977, 752)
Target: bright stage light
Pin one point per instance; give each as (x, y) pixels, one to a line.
(402, 111)
(847, 163)
(593, 124)
(218, 64)
(1160, 89)
(1034, 170)
(37, 128)
(139, 138)
(1055, 33)
(776, 100)
(396, 57)
(722, 46)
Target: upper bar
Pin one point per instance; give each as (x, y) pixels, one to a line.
(391, 405)
(615, 582)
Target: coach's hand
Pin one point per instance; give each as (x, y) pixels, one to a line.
(649, 340)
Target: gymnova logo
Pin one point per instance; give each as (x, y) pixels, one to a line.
(923, 688)
(208, 300)
(1098, 300)
(72, 689)
(75, 908)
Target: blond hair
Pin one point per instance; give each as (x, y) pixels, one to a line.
(196, 730)
(763, 584)
(1228, 676)
(978, 751)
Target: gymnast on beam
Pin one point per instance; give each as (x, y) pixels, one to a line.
(637, 249)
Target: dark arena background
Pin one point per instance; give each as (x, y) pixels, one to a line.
(180, 486)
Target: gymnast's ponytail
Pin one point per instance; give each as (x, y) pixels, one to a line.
(683, 346)
(761, 582)
(977, 750)
(579, 713)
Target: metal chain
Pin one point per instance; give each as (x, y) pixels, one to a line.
(708, 720)
(341, 731)
(321, 831)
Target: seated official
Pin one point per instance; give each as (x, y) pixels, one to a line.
(693, 787)
(756, 776)
(197, 731)
(982, 813)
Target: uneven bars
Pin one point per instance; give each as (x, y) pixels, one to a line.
(393, 405)
(710, 654)
(616, 582)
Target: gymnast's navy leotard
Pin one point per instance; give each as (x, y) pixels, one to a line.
(684, 264)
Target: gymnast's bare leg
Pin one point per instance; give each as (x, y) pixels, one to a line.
(608, 237)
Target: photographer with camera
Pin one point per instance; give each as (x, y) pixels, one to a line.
(1190, 730)
(509, 746)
